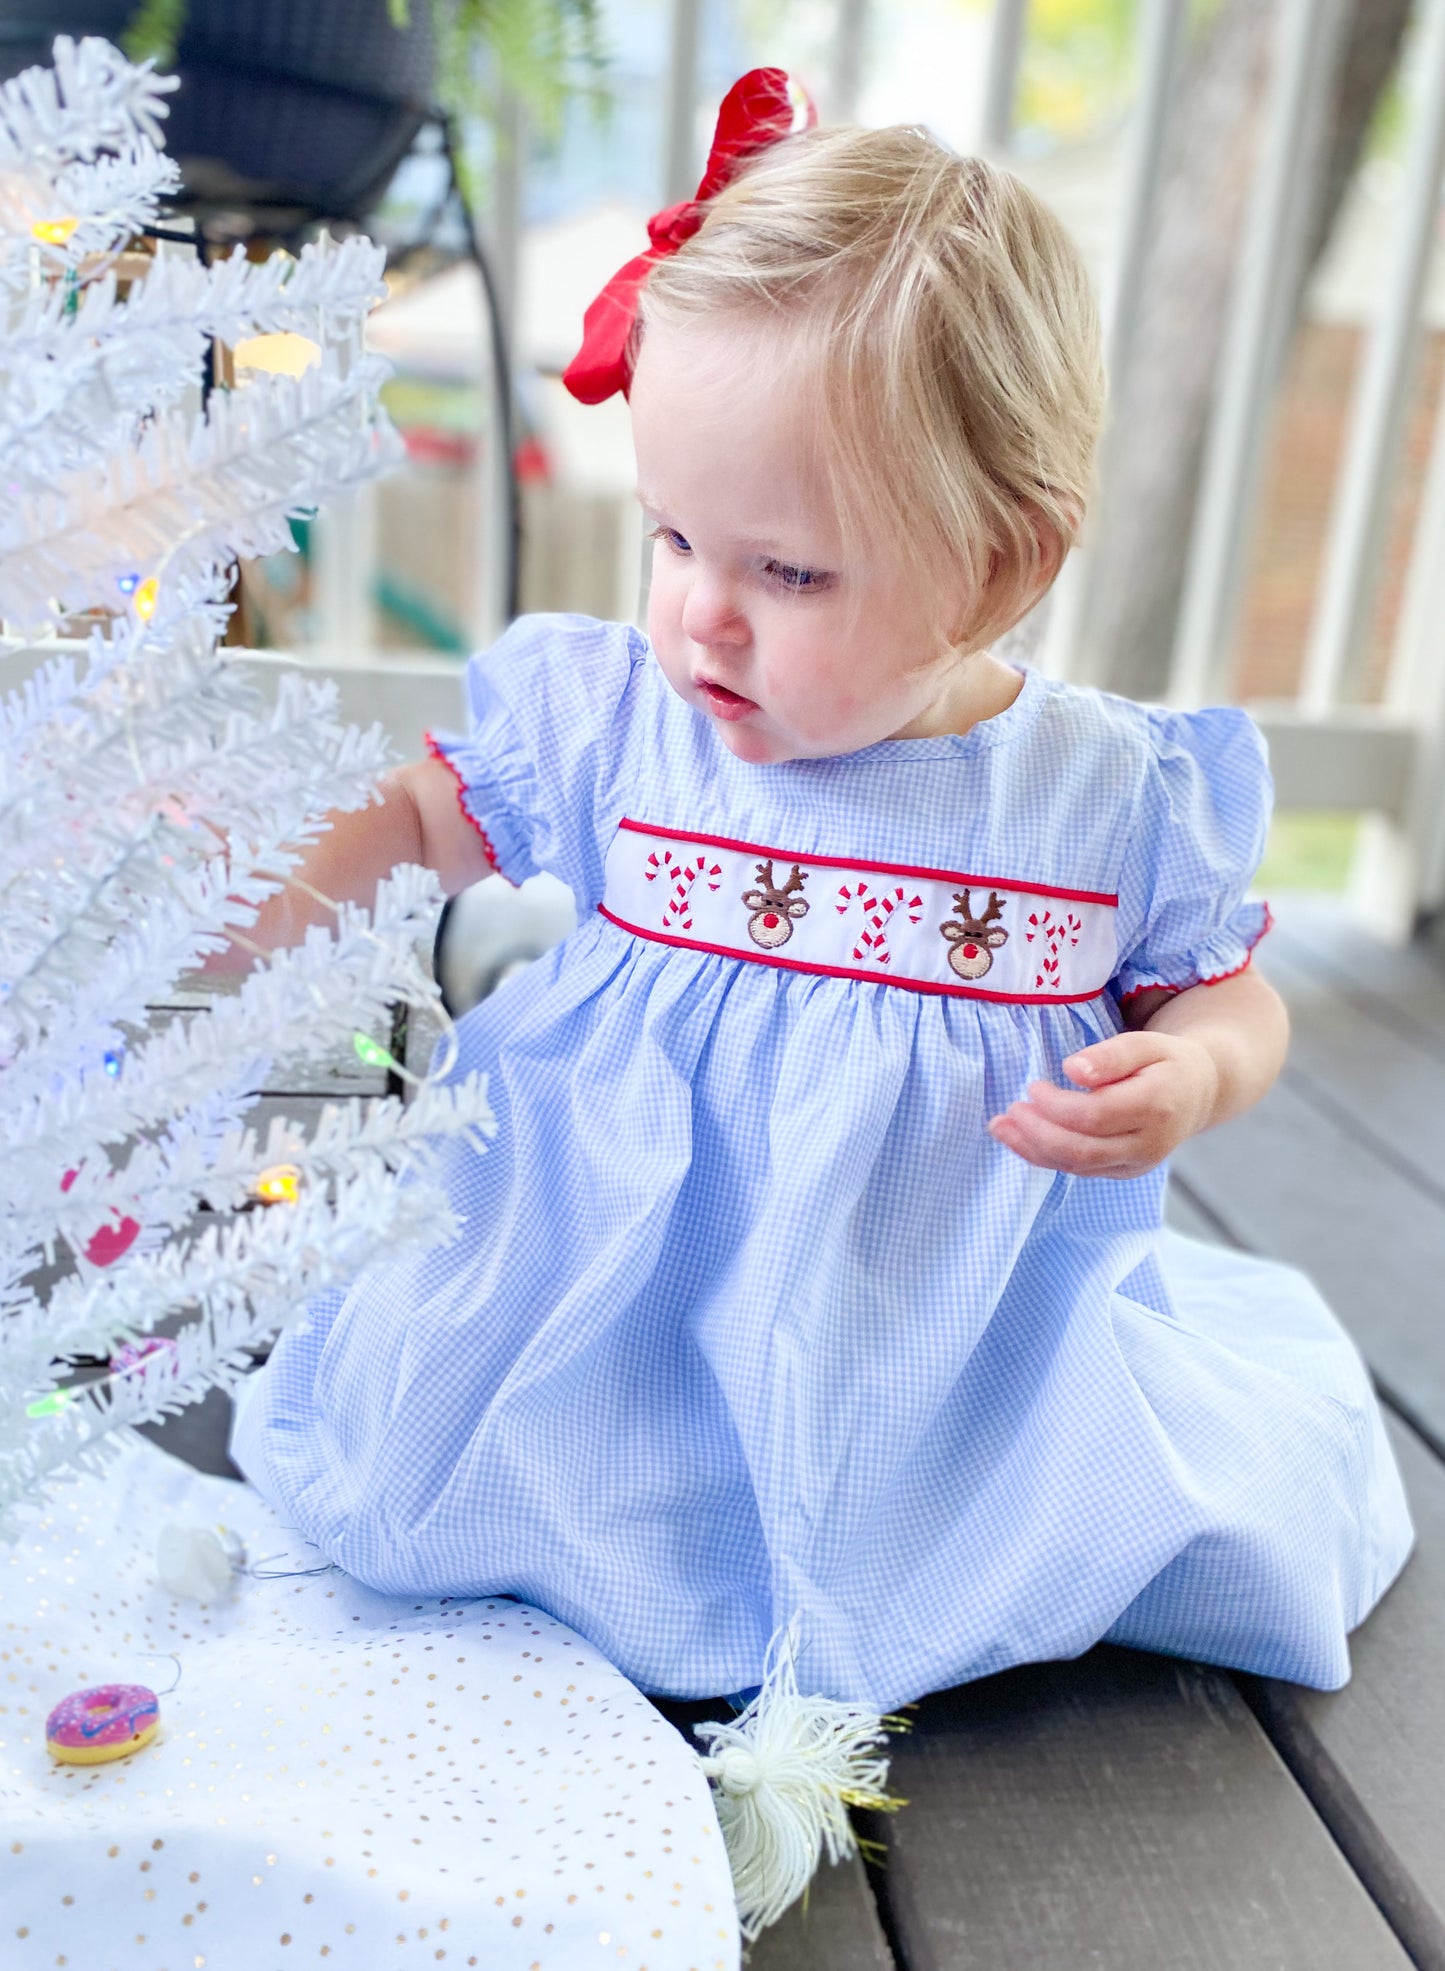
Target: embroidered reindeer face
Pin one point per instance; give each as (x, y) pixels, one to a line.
(774, 910)
(974, 939)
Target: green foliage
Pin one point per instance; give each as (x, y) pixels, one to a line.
(1308, 849)
(154, 32)
(1076, 76)
(532, 49)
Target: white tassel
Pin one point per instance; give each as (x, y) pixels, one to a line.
(784, 1774)
(199, 1562)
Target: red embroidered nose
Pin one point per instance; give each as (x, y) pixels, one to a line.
(970, 951)
(771, 921)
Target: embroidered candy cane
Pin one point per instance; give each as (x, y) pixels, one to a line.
(877, 907)
(681, 874)
(1055, 932)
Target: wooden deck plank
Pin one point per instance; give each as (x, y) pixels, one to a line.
(1294, 1183)
(1402, 985)
(1372, 1756)
(1375, 1076)
(1184, 1212)
(1125, 1811)
(1356, 1135)
(838, 1930)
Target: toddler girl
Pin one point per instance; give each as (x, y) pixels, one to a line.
(816, 1271)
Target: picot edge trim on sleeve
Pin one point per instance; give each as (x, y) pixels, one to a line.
(1218, 978)
(435, 750)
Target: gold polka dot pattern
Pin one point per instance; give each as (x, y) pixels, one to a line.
(340, 1775)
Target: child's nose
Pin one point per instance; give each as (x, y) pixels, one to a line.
(712, 612)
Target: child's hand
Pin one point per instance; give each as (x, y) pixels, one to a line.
(1147, 1092)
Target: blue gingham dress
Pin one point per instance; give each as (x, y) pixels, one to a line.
(750, 1318)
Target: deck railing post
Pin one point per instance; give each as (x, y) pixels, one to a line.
(1399, 868)
(679, 151)
(1163, 32)
(1306, 34)
(504, 237)
(344, 539)
(1005, 54)
(845, 75)
(1340, 632)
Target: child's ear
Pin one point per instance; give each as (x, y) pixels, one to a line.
(1043, 565)
(1049, 550)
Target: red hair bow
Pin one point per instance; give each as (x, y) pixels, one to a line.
(755, 112)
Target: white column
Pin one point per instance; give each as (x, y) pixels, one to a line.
(504, 241)
(1399, 867)
(845, 79)
(681, 167)
(1005, 53)
(1163, 31)
(343, 559)
(1246, 372)
(1339, 634)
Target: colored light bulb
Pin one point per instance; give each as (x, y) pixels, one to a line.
(53, 232)
(146, 597)
(371, 1052)
(281, 1184)
(127, 584)
(51, 1405)
(110, 1060)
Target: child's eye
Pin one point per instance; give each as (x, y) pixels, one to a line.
(785, 576)
(672, 539)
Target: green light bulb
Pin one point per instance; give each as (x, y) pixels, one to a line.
(371, 1052)
(51, 1405)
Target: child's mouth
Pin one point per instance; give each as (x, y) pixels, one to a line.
(722, 703)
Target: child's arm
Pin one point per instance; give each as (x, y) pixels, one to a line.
(1195, 1058)
(419, 820)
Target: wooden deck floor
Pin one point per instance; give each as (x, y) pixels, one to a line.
(1138, 1813)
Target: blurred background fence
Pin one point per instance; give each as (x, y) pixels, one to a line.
(1254, 183)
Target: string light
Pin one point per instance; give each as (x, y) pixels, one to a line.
(53, 232)
(110, 1060)
(51, 1405)
(282, 354)
(371, 1052)
(127, 584)
(146, 597)
(281, 1184)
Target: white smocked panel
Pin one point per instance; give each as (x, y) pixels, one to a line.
(979, 937)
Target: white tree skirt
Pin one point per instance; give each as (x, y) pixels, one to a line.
(339, 1774)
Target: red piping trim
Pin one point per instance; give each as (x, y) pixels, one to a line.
(880, 868)
(844, 971)
(1216, 978)
(438, 754)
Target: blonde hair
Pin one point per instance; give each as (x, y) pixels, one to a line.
(954, 337)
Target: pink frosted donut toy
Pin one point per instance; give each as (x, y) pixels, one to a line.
(106, 1722)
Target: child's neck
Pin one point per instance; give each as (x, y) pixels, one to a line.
(978, 688)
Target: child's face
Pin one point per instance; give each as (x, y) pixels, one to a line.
(757, 616)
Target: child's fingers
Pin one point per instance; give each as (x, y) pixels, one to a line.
(1112, 1060)
(1051, 1147)
(1115, 1110)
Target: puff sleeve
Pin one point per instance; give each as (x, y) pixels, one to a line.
(1196, 838)
(537, 772)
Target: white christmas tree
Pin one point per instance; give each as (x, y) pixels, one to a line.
(151, 798)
